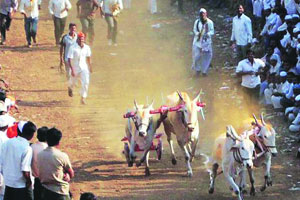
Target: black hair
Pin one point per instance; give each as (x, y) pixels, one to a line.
(72, 24)
(42, 134)
(249, 51)
(88, 196)
(28, 129)
(53, 137)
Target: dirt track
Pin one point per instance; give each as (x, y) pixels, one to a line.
(148, 62)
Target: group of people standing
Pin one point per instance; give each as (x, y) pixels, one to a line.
(58, 9)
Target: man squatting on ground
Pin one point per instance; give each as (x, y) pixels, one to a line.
(202, 43)
(7, 9)
(110, 9)
(79, 59)
(59, 11)
(66, 42)
(30, 10)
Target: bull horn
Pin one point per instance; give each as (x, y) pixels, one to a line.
(262, 119)
(256, 121)
(179, 94)
(151, 103)
(198, 96)
(135, 104)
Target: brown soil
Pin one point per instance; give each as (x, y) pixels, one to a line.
(147, 64)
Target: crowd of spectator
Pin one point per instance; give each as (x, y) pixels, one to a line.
(28, 171)
(274, 79)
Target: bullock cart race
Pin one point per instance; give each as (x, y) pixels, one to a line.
(173, 99)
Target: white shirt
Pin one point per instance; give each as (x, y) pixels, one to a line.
(207, 31)
(16, 156)
(30, 7)
(68, 41)
(269, 3)
(273, 21)
(286, 40)
(257, 7)
(290, 7)
(241, 30)
(250, 81)
(107, 4)
(36, 149)
(57, 6)
(78, 57)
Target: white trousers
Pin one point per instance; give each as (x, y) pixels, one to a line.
(201, 59)
(84, 78)
(127, 4)
(268, 93)
(295, 126)
(153, 6)
(276, 102)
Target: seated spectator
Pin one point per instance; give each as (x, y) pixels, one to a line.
(295, 126)
(88, 196)
(55, 170)
(36, 149)
(15, 164)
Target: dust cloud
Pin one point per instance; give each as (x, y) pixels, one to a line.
(147, 65)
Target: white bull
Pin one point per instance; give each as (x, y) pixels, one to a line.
(264, 137)
(235, 155)
(184, 124)
(140, 129)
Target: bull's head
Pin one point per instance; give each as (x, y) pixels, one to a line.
(243, 148)
(142, 118)
(189, 111)
(266, 134)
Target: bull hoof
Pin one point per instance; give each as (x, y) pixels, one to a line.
(189, 174)
(211, 190)
(263, 188)
(138, 164)
(244, 191)
(269, 183)
(147, 172)
(174, 161)
(252, 192)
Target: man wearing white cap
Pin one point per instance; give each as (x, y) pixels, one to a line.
(274, 88)
(241, 32)
(295, 126)
(202, 43)
(15, 165)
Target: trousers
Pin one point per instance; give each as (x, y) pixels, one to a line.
(84, 77)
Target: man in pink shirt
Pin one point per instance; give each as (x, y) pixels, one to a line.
(36, 149)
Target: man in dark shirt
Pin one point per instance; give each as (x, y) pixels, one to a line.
(86, 13)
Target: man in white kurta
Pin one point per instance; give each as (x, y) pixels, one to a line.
(241, 32)
(202, 43)
(79, 58)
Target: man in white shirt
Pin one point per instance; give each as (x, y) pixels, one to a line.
(290, 7)
(59, 11)
(111, 9)
(30, 10)
(3, 139)
(37, 147)
(66, 42)
(79, 58)
(241, 32)
(15, 165)
(202, 43)
(249, 69)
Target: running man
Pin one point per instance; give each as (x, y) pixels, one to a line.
(79, 59)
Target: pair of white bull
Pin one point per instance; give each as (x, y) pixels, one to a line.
(141, 128)
(238, 153)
